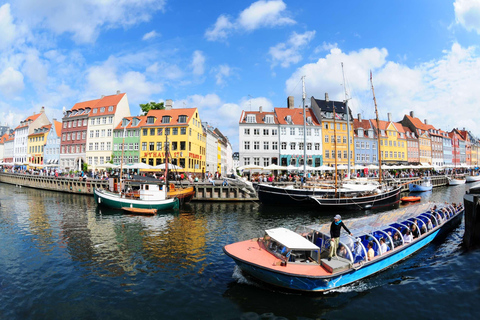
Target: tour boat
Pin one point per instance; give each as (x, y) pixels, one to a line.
(424, 185)
(411, 199)
(184, 194)
(297, 260)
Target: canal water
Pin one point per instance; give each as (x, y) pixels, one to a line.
(63, 258)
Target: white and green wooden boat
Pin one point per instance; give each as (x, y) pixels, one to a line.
(148, 196)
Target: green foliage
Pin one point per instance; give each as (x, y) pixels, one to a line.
(85, 167)
(151, 106)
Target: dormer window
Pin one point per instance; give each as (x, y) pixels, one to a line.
(95, 110)
(102, 109)
(309, 120)
(87, 110)
(135, 121)
(360, 132)
(288, 119)
(182, 119)
(165, 119)
(251, 118)
(110, 109)
(150, 120)
(268, 119)
(125, 122)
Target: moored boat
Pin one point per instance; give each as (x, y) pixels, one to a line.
(411, 199)
(297, 260)
(472, 178)
(456, 180)
(183, 194)
(140, 211)
(149, 196)
(424, 185)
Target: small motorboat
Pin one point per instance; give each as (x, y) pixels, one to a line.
(411, 199)
(141, 211)
(456, 180)
(424, 185)
(298, 260)
(473, 178)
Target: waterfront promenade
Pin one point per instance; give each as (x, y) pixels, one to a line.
(204, 191)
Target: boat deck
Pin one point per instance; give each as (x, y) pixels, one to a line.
(251, 250)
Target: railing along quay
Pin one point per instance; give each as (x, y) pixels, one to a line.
(203, 192)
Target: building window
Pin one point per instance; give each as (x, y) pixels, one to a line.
(274, 145)
(152, 146)
(144, 146)
(183, 130)
(166, 119)
(265, 145)
(159, 146)
(246, 131)
(256, 161)
(284, 146)
(292, 145)
(174, 131)
(265, 132)
(256, 145)
(256, 132)
(145, 132)
(292, 131)
(247, 145)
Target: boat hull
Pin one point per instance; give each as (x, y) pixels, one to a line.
(455, 182)
(184, 195)
(300, 282)
(112, 200)
(271, 195)
(472, 178)
(413, 187)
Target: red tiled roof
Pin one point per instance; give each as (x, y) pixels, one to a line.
(259, 116)
(365, 124)
(143, 120)
(96, 104)
(173, 113)
(417, 123)
(296, 115)
(58, 127)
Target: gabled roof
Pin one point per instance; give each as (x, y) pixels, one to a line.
(3, 138)
(173, 113)
(96, 104)
(412, 135)
(327, 106)
(364, 124)
(417, 123)
(24, 123)
(296, 115)
(130, 125)
(259, 116)
(47, 127)
(58, 127)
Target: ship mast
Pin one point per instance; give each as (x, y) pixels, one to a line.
(348, 123)
(121, 159)
(335, 146)
(378, 133)
(304, 133)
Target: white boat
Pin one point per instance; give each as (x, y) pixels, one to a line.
(456, 180)
(472, 178)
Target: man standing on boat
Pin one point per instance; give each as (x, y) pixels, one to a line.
(335, 229)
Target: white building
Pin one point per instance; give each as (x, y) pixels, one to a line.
(211, 148)
(106, 113)
(26, 128)
(258, 138)
(292, 139)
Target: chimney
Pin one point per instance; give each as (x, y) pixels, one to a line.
(42, 110)
(412, 114)
(54, 119)
(260, 109)
(359, 117)
(426, 121)
(118, 91)
(102, 96)
(326, 97)
(290, 103)
(389, 116)
(169, 104)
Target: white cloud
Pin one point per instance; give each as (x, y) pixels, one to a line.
(223, 71)
(107, 79)
(35, 68)
(442, 91)
(11, 82)
(7, 27)
(325, 47)
(198, 63)
(467, 14)
(220, 29)
(84, 18)
(259, 14)
(289, 52)
(150, 35)
(264, 14)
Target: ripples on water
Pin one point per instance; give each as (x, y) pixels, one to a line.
(62, 258)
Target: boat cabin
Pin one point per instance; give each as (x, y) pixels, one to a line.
(290, 246)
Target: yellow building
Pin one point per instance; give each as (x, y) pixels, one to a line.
(185, 137)
(341, 134)
(36, 145)
(393, 142)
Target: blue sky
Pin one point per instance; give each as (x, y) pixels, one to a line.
(224, 57)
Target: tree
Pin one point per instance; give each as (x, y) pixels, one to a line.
(151, 106)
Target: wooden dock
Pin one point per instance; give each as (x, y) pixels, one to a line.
(203, 191)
